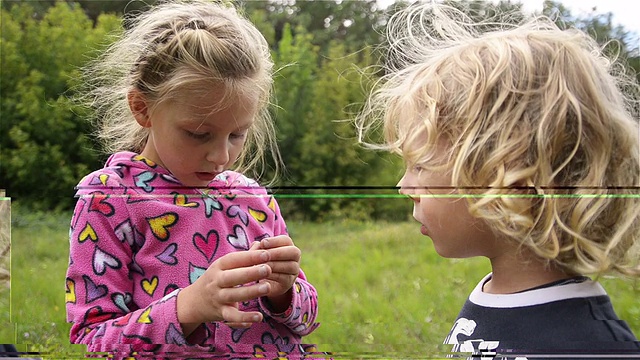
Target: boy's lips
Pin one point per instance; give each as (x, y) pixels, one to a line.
(423, 228)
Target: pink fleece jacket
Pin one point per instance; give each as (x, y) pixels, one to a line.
(138, 237)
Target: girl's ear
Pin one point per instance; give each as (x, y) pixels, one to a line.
(139, 107)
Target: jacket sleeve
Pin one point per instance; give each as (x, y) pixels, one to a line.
(99, 287)
(301, 315)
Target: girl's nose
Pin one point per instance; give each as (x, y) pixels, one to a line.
(218, 153)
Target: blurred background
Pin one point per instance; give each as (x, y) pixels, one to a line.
(324, 50)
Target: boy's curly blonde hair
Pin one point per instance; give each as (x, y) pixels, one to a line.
(535, 116)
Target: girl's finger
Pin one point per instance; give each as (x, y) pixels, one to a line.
(244, 293)
(275, 242)
(242, 259)
(255, 245)
(238, 325)
(236, 277)
(284, 267)
(232, 315)
(285, 253)
(281, 278)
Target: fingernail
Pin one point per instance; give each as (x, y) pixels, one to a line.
(263, 289)
(256, 318)
(263, 270)
(264, 243)
(264, 256)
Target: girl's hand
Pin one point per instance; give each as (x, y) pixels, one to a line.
(231, 279)
(285, 268)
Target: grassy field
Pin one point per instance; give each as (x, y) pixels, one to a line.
(383, 290)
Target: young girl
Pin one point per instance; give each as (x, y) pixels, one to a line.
(171, 252)
(519, 147)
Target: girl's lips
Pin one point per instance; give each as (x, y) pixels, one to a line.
(206, 176)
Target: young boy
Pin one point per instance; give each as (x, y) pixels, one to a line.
(519, 147)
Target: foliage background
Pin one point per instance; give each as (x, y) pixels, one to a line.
(326, 52)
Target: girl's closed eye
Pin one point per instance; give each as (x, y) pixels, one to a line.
(197, 135)
(240, 135)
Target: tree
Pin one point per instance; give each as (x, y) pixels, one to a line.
(295, 60)
(47, 148)
(317, 97)
(92, 8)
(356, 23)
(330, 155)
(322, 50)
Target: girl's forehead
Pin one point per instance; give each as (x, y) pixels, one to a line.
(211, 99)
(212, 108)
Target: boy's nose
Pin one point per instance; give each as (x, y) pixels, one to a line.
(402, 190)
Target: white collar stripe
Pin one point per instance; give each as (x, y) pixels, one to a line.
(584, 289)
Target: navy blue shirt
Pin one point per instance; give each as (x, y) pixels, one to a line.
(569, 319)
(8, 350)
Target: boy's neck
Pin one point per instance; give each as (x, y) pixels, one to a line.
(514, 273)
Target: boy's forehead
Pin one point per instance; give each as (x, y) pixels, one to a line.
(419, 148)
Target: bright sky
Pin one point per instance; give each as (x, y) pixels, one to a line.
(625, 12)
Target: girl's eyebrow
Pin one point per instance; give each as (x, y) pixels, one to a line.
(246, 127)
(192, 119)
(201, 122)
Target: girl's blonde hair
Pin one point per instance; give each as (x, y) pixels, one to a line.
(533, 116)
(177, 47)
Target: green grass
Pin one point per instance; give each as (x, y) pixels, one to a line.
(382, 288)
(39, 258)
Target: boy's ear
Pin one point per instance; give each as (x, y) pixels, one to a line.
(139, 107)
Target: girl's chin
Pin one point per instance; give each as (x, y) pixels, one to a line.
(423, 230)
(196, 182)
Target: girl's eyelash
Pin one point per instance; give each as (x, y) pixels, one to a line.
(196, 135)
(205, 135)
(238, 136)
